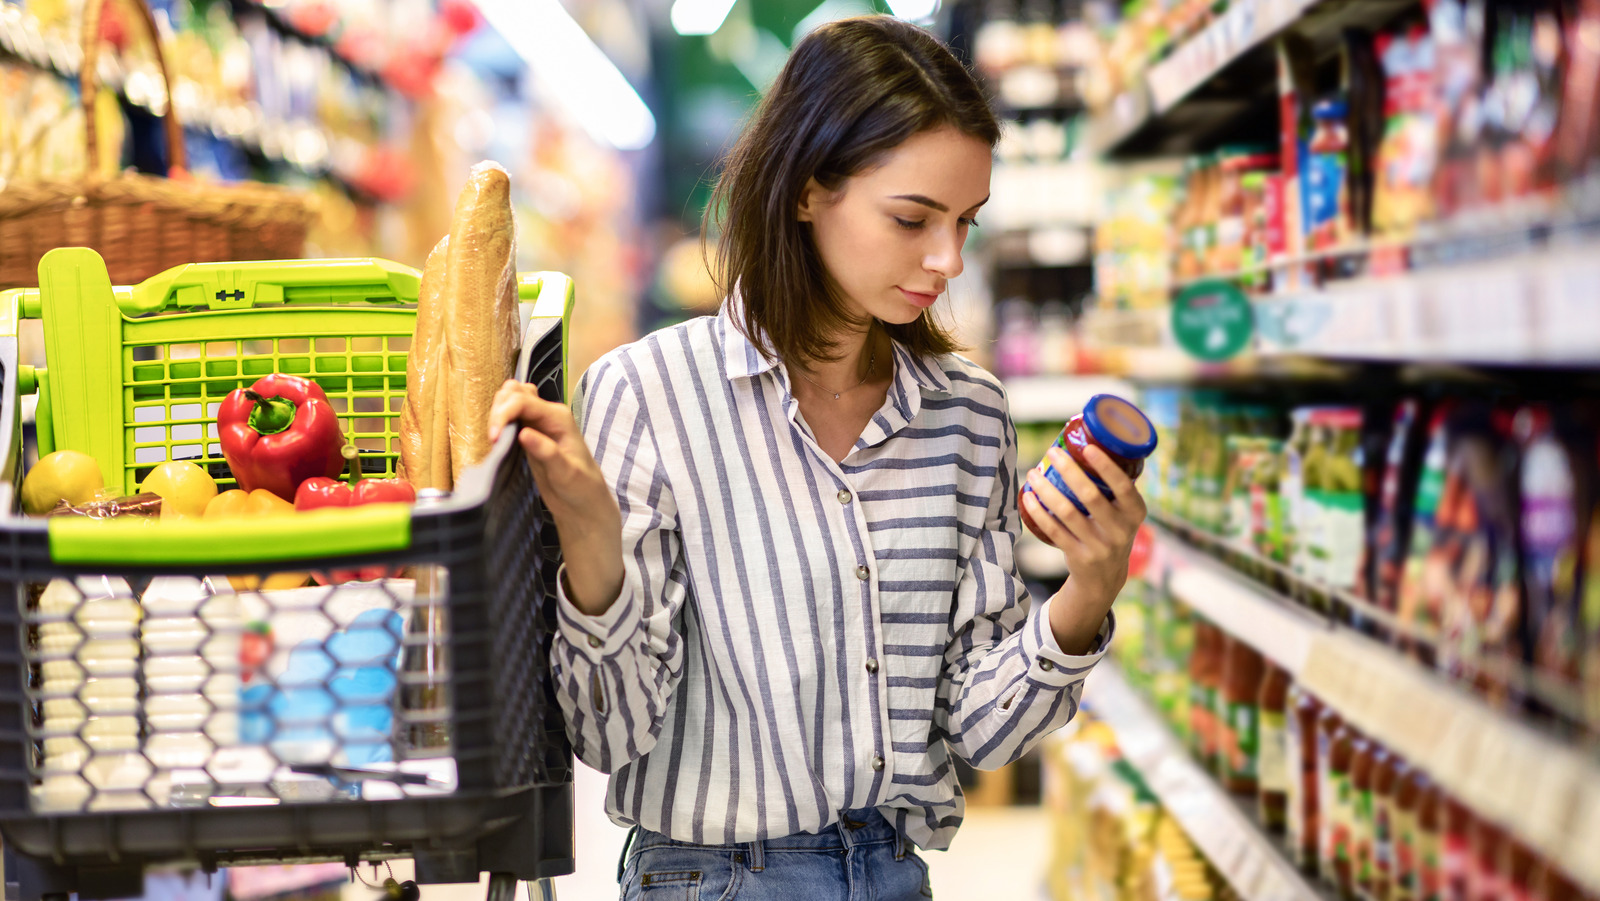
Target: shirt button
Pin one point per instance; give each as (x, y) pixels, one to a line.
(872, 665)
(877, 762)
(1046, 665)
(594, 641)
(863, 573)
(844, 496)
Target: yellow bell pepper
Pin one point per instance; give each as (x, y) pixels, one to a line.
(240, 504)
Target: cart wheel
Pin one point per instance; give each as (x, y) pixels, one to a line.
(503, 887)
(541, 890)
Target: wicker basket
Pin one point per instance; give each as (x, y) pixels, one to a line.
(140, 224)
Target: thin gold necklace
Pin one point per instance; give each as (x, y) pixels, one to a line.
(871, 361)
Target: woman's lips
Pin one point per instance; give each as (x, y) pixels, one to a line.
(917, 298)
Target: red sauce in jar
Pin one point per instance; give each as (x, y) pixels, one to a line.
(1110, 423)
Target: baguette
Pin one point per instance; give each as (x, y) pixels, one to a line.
(426, 368)
(481, 335)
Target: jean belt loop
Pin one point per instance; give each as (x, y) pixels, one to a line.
(758, 856)
(622, 862)
(899, 844)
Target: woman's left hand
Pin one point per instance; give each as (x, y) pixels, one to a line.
(1096, 546)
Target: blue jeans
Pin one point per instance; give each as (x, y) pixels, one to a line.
(860, 858)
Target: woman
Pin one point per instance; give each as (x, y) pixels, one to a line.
(789, 596)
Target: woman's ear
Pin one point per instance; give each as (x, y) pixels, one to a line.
(812, 196)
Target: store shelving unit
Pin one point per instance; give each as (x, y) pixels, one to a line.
(1225, 830)
(1057, 398)
(242, 125)
(1209, 87)
(1538, 787)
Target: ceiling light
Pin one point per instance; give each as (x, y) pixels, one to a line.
(700, 16)
(914, 9)
(574, 69)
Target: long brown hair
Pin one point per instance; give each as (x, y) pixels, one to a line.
(851, 91)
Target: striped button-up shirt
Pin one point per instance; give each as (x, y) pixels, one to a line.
(796, 636)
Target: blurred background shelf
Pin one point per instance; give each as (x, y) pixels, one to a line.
(1253, 862)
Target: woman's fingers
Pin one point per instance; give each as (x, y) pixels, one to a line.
(520, 402)
(1053, 528)
(1109, 472)
(1059, 508)
(1089, 494)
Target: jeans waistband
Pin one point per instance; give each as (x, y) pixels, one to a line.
(854, 827)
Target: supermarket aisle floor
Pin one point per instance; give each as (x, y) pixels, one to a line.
(999, 854)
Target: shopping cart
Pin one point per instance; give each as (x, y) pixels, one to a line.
(169, 696)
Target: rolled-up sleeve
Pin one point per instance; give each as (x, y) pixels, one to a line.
(616, 672)
(1006, 683)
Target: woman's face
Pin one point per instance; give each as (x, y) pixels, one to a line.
(891, 236)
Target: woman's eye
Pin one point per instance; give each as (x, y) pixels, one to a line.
(970, 223)
(908, 224)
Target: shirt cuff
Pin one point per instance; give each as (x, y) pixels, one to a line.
(595, 637)
(1052, 667)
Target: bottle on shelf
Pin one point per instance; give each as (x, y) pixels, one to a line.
(1338, 862)
(1410, 784)
(1305, 712)
(1275, 769)
(1242, 670)
(1363, 764)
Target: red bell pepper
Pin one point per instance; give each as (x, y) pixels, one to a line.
(278, 433)
(325, 492)
(321, 492)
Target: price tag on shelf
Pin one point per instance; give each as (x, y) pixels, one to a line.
(1578, 857)
(1568, 308)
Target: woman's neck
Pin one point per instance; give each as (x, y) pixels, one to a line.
(862, 358)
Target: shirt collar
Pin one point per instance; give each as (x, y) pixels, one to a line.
(741, 359)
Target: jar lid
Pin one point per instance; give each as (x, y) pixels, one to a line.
(1119, 426)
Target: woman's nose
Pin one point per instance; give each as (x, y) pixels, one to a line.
(944, 259)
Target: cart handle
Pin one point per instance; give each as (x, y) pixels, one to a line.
(297, 538)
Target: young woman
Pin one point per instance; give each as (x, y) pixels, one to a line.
(789, 597)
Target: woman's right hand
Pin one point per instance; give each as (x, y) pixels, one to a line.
(573, 488)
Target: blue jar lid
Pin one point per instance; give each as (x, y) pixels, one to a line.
(1119, 426)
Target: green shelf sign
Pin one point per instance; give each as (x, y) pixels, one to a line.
(1212, 320)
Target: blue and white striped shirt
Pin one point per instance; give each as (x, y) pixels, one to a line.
(797, 637)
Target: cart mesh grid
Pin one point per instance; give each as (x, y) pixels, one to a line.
(208, 716)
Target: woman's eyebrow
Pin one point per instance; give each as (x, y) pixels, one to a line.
(930, 202)
(925, 201)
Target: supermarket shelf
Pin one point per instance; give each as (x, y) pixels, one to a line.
(276, 20)
(1537, 786)
(1057, 398)
(1536, 308)
(1252, 862)
(1218, 80)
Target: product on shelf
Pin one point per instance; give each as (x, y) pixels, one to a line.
(1276, 770)
(1239, 716)
(1304, 792)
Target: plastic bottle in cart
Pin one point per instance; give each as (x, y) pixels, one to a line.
(425, 702)
(89, 663)
(191, 636)
(1110, 423)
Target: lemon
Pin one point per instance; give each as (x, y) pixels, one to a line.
(185, 488)
(67, 475)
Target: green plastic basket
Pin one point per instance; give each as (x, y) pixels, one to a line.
(136, 374)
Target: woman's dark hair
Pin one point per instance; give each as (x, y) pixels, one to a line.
(852, 91)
